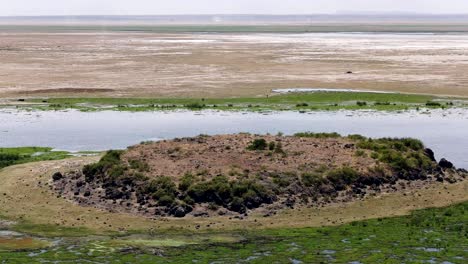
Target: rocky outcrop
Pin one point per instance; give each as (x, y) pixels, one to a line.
(270, 174)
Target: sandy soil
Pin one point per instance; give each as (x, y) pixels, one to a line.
(228, 155)
(25, 195)
(220, 65)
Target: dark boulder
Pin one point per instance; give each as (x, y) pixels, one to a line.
(445, 164)
(114, 193)
(57, 176)
(430, 154)
(178, 211)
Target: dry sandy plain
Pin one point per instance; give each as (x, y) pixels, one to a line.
(221, 65)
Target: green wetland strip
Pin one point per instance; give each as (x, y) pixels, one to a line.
(317, 101)
(426, 236)
(14, 156)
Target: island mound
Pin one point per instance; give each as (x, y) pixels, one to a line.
(236, 175)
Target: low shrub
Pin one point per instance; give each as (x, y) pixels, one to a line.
(357, 137)
(312, 179)
(340, 178)
(382, 103)
(279, 148)
(160, 187)
(433, 104)
(187, 180)
(97, 170)
(272, 145)
(258, 144)
(195, 105)
(235, 195)
(139, 165)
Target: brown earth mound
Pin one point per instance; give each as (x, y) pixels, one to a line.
(239, 174)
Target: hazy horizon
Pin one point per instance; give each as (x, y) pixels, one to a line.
(208, 7)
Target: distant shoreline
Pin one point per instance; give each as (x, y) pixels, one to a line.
(241, 19)
(428, 28)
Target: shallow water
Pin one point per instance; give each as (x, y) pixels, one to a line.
(444, 131)
(316, 90)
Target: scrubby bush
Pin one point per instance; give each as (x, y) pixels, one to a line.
(161, 187)
(340, 178)
(187, 180)
(400, 144)
(357, 137)
(279, 148)
(272, 145)
(117, 171)
(234, 195)
(110, 160)
(361, 104)
(258, 144)
(166, 200)
(312, 179)
(217, 190)
(433, 104)
(139, 165)
(382, 103)
(284, 179)
(195, 105)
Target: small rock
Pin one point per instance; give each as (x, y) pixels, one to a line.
(179, 212)
(57, 176)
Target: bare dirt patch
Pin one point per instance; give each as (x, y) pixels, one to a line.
(227, 65)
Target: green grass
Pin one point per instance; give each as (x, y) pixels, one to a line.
(51, 231)
(438, 234)
(13, 156)
(294, 101)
